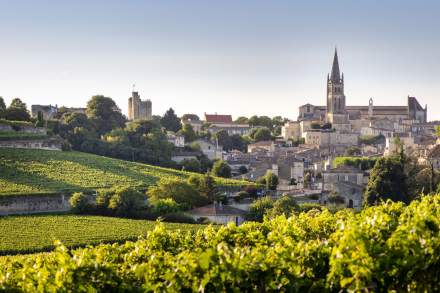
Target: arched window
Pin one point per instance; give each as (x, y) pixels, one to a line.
(350, 203)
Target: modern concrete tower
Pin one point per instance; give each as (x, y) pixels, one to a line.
(336, 111)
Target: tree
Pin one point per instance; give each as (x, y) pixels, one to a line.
(2, 108)
(191, 165)
(223, 139)
(17, 111)
(262, 134)
(242, 169)
(79, 203)
(190, 117)
(242, 120)
(387, 181)
(271, 181)
(221, 169)
(170, 121)
(104, 114)
(285, 205)
(259, 208)
(40, 119)
(126, 200)
(188, 132)
(181, 192)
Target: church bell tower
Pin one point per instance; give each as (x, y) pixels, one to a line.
(336, 111)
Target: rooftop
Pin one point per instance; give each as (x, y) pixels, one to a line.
(216, 118)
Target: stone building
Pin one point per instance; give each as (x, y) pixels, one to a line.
(224, 122)
(48, 111)
(139, 109)
(337, 112)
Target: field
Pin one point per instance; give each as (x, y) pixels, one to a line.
(385, 248)
(25, 171)
(26, 234)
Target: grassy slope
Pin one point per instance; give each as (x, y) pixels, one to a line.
(37, 171)
(26, 234)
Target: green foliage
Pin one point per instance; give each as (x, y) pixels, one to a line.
(261, 134)
(28, 234)
(2, 108)
(181, 192)
(79, 202)
(387, 181)
(241, 120)
(387, 248)
(353, 151)
(221, 169)
(191, 165)
(17, 111)
(170, 121)
(36, 171)
(104, 114)
(271, 181)
(188, 132)
(371, 140)
(259, 208)
(40, 120)
(242, 169)
(126, 201)
(285, 205)
(365, 163)
(165, 206)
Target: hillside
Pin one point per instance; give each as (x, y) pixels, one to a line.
(22, 234)
(24, 171)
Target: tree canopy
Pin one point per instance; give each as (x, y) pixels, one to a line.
(170, 121)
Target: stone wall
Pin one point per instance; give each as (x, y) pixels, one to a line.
(42, 144)
(22, 204)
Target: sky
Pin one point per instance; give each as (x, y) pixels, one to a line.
(229, 57)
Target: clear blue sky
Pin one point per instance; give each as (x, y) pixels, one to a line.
(236, 57)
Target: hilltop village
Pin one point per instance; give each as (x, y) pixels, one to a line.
(324, 157)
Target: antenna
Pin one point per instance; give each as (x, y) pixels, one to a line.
(133, 87)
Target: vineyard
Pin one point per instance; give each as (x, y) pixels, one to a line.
(39, 171)
(26, 234)
(391, 247)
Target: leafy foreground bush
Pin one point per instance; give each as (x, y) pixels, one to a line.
(383, 248)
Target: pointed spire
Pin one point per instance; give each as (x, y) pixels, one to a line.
(335, 76)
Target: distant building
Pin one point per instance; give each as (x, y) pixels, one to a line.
(337, 113)
(192, 120)
(218, 213)
(224, 122)
(48, 111)
(209, 149)
(139, 109)
(176, 139)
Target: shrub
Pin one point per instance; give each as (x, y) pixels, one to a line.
(79, 203)
(177, 218)
(305, 207)
(180, 191)
(165, 206)
(221, 169)
(259, 208)
(241, 195)
(126, 201)
(285, 205)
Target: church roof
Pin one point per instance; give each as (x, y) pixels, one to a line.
(335, 75)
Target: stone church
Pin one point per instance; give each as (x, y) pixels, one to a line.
(342, 116)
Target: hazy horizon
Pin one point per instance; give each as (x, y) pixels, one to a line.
(231, 57)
